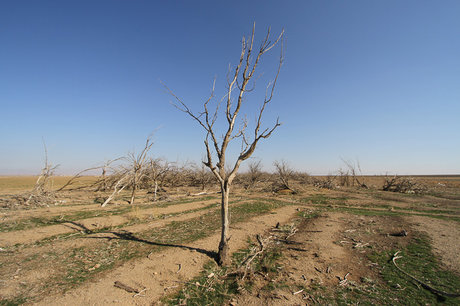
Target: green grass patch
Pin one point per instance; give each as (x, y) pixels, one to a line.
(316, 199)
(393, 287)
(419, 261)
(13, 302)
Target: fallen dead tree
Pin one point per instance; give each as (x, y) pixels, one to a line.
(403, 185)
(327, 182)
(131, 175)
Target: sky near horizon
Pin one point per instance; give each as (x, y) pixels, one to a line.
(374, 81)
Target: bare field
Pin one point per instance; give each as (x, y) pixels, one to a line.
(337, 247)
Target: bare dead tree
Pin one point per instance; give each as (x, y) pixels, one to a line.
(156, 173)
(123, 178)
(344, 177)
(74, 178)
(131, 174)
(178, 175)
(354, 169)
(403, 185)
(138, 166)
(102, 183)
(238, 80)
(326, 182)
(41, 191)
(284, 174)
(202, 176)
(303, 177)
(254, 174)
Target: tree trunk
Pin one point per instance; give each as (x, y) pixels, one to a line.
(222, 256)
(104, 181)
(133, 194)
(155, 192)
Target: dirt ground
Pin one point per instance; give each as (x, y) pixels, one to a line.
(74, 252)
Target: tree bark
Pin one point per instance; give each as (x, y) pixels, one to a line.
(104, 180)
(155, 192)
(133, 194)
(222, 256)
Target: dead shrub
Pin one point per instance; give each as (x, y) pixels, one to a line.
(327, 182)
(403, 185)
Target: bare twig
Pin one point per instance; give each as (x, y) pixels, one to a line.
(127, 288)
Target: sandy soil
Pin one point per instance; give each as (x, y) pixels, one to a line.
(329, 248)
(159, 273)
(36, 234)
(445, 238)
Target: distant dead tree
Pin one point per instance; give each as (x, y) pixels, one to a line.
(103, 182)
(326, 182)
(157, 169)
(42, 191)
(178, 175)
(344, 177)
(138, 166)
(403, 185)
(303, 177)
(238, 80)
(202, 176)
(74, 179)
(284, 175)
(131, 174)
(253, 174)
(100, 185)
(354, 169)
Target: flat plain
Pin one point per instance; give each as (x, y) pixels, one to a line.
(315, 246)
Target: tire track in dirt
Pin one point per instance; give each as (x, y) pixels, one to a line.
(36, 234)
(160, 270)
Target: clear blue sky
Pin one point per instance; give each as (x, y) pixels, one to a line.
(377, 81)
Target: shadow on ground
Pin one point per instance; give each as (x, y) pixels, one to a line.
(125, 235)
